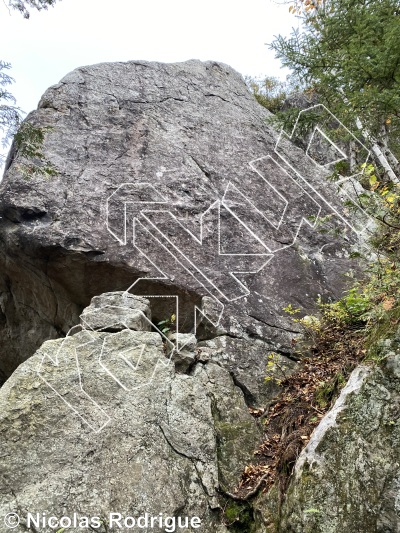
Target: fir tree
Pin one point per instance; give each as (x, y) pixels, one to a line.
(349, 52)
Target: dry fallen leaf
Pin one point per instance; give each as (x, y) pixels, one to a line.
(388, 304)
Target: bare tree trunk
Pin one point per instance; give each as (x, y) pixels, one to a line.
(384, 143)
(375, 148)
(353, 156)
(377, 152)
(394, 162)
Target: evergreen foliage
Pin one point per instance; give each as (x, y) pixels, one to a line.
(348, 51)
(10, 114)
(23, 6)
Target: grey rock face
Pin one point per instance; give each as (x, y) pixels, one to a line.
(116, 311)
(245, 359)
(348, 476)
(100, 422)
(173, 198)
(182, 350)
(168, 173)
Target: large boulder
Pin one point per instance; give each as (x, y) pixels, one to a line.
(170, 184)
(348, 476)
(142, 287)
(100, 422)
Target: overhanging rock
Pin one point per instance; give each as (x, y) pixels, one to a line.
(169, 184)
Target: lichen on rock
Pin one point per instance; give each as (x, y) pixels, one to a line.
(347, 477)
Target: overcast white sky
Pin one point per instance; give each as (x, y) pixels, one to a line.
(80, 32)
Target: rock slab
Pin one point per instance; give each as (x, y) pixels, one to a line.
(100, 422)
(169, 184)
